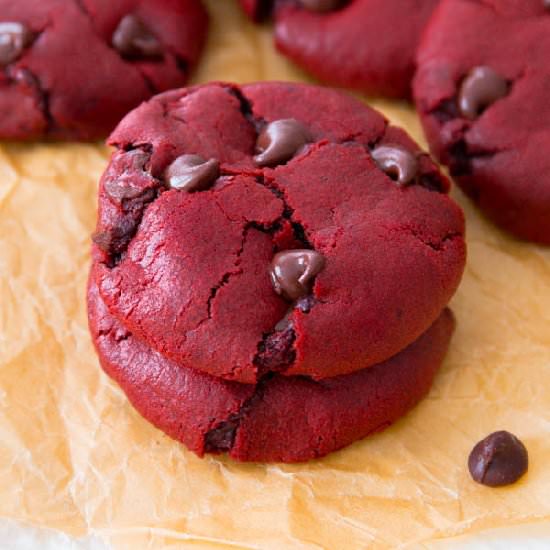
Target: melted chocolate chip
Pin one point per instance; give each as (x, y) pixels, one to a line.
(292, 272)
(499, 459)
(14, 38)
(192, 173)
(221, 439)
(133, 39)
(279, 141)
(321, 5)
(276, 352)
(398, 163)
(304, 304)
(480, 89)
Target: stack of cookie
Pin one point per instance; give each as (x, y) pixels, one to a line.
(271, 269)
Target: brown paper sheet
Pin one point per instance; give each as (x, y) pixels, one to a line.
(74, 456)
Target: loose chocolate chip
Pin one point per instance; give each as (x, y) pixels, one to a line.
(133, 39)
(499, 459)
(292, 272)
(321, 5)
(14, 38)
(279, 141)
(480, 89)
(192, 173)
(398, 163)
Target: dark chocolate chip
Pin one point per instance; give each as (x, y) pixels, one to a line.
(480, 89)
(221, 439)
(546, 4)
(398, 163)
(279, 141)
(499, 459)
(14, 38)
(120, 190)
(133, 39)
(276, 352)
(192, 173)
(292, 272)
(321, 5)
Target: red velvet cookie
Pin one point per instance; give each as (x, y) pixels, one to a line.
(368, 45)
(285, 419)
(482, 92)
(71, 69)
(328, 252)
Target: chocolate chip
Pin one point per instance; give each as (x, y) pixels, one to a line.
(321, 5)
(279, 141)
(133, 39)
(192, 173)
(499, 459)
(398, 163)
(292, 272)
(14, 38)
(546, 4)
(221, 439)
(480, 89)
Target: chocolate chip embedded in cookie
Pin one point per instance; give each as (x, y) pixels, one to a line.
(292, 272)
(398, 163)
(73, 69)
(499, 459)
(192, 173)
(206, 277)
(14, 38)
(481, 90)
(133, 39)
(279, 141)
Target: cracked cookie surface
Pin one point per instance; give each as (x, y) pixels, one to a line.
(285, 419)
(80, 68)
(187, 273)
(481, 90)
(368, 45)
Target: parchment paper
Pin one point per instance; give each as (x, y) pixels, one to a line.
(74, 456)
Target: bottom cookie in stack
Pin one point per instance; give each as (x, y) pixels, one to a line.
(279, 419)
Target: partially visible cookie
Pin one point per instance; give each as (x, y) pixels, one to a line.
(367, 45)
(273, 227)
(73, 69)
(482, 93)
(285, 419)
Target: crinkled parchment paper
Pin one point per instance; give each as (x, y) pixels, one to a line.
(76, 458)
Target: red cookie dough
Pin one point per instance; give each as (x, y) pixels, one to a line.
(188, 272)
(66, 80)
(284, 419)
(368, 45)
(500, 156)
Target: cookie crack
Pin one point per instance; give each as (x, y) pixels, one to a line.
(33, 80)
(221, 438)
(246, 107)
(226, 277)
(437, 244)
(276, 351)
